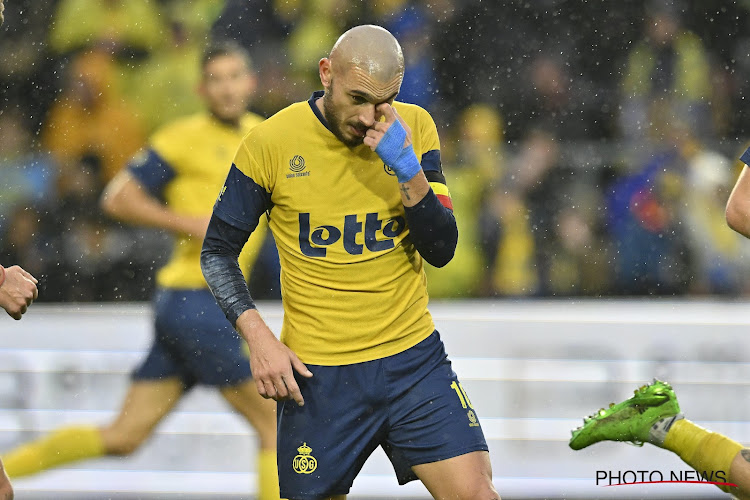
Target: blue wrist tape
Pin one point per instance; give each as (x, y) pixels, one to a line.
(401, 159)
(391, 144)
(406, 165)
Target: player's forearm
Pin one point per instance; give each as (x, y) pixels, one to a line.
(148, 213)
(432, 229)
(252, 328)
(124, 199)
(414, 190)
(219, 263)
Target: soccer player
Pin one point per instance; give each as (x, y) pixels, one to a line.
(357, 202)
(653, 416)
(172, 186)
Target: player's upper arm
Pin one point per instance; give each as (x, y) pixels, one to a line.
(152, 171)
(246, 194)
(430, 158)
(145, 177)
(157, 164)
(428, 131)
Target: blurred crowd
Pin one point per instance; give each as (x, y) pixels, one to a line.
(589, 146)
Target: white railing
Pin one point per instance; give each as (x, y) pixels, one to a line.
(533, 369)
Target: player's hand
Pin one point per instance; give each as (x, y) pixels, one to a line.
(272, 363)
(18, 291)
(375, 133)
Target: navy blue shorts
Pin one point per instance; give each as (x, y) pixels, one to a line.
(411, 404)
(193, 341)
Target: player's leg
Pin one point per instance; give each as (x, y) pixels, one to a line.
(6, 489)
(209, 350)
(146, 403)
(434, 433)
(155, 389)
(740, 474)
(466, 476)
(157, 385)
(323, 445)
(653, 416)
(261, 414)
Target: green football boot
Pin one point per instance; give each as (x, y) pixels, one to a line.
(632, 420)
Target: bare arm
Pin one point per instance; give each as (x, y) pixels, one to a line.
(414, 190)
(126, 199)
(738, 206)
(270, 360)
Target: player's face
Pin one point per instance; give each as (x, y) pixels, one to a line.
(349, 104)
(227, 86)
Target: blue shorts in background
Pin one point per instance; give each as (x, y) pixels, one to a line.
(411, 404)
(194, 341)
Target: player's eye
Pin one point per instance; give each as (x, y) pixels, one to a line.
(358, 99)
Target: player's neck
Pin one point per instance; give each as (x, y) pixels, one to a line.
(229, 122)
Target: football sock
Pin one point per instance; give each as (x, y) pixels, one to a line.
(705, 451)
(268, 476)
(66, 445)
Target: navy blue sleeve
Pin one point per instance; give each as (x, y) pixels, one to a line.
(221, 249)
(236, 213)
(431, 161)
(433, 230)
(241, 201)
(152, 172)
(745, 158)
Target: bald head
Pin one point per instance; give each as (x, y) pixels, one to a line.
(367, 66)
(370, 49)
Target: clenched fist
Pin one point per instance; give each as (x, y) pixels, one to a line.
(17, 290)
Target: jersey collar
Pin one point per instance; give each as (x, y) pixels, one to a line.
(314, 97)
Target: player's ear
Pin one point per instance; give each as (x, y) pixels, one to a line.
(324, 68)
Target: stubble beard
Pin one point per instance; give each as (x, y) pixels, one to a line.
(334, 124)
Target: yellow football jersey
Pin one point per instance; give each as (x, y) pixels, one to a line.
(353, 285)
(186, 165)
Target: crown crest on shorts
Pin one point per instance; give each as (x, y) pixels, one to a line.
(304, 449)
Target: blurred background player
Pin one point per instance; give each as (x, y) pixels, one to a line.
(172, 185)
(356, 200)
(653, 416)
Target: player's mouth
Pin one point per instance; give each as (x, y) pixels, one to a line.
(358, 132)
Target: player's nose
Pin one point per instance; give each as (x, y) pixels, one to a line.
(367, 116)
